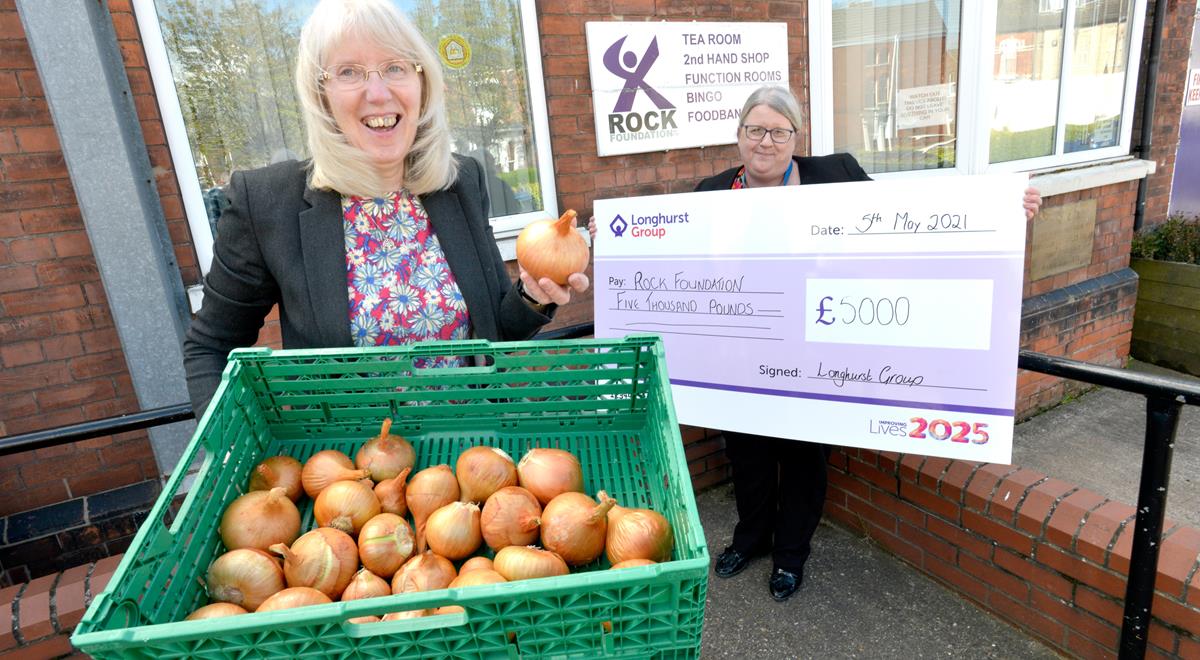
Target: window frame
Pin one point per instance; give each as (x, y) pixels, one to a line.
(505, 228)
(974, 93)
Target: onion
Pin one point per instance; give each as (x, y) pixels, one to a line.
(637, 534)
(510, 517)
(574, 526)
(282, 471)
(520, 562)
(346, 506)
(630, 563)
(260, 519)
(294, 597)
(366, 584)
(385, 542)
(475, 564)
(429, 490)
(391, 494)
(326, 467)
(385, 455)
(547, 472)
(552, 248)
(425, 572)
(407, 614)
(324, 559)
(245, 577)
(216, 611)
(453, 530)
(476, 577)
(370, 618)
(482, 471)
(447, 609)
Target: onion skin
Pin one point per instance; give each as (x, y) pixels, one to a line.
(574, 526)
(346, 506)
(245, 577)
(511, 516)
(366, 584)
(294, 597)
(425, 572)
(552, 248)
(326, 467)
(324, 559)
(385, 455)
(429, 490)
(477, 577)
(631, 563)
(216, 611)
(407, 614)
(391, 494)
(519, 562)
(482, 471)
(385, 542)
(370, 618)
(548, 472)
(260, 519)
(637, 534)
(282, 471)
(475, 564)
(453, 530)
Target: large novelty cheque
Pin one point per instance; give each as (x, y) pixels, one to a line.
(883, 315)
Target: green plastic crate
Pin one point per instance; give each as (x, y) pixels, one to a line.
(608, 401)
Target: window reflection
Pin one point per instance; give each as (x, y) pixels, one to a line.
(1096, 82)
(1028, 61)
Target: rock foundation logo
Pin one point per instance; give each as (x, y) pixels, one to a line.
(618, 226)
(623, 123)
(647, 226)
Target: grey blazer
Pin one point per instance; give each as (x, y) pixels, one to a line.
(280, 241)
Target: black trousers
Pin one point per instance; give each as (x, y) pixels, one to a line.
(779, 485)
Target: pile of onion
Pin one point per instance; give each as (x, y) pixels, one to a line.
(244, 577)
(260, 519)
(385, 455)
(453, 530)
(520, 562)
(391, 494)
(574, 526)
(548, 472)
(326, 467)
(346, 506)
(552, 248)
(215, 611)
(366, 584)
(429, 490)
(294, 597)
(482, 471)
(637, 534)
(511, 516)
(324, 559)
(281, 471)
(385, 542)
(425, 572)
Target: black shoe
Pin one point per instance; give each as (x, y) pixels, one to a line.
(730, 563)
(784, 584)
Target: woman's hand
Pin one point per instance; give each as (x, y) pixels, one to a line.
(545, 291)
(592, 228)
(1032, 202)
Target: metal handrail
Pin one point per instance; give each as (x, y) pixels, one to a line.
(1165, 397)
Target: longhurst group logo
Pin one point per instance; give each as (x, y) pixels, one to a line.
(623, 123)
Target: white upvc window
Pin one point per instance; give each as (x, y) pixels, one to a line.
(922, 87)
(222, 72)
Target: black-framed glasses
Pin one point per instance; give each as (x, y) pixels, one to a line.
(778, 135)
(353, 76)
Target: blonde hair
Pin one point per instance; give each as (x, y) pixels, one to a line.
(336, 164)
(779, 99)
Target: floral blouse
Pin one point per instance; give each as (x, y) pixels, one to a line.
(401, 289)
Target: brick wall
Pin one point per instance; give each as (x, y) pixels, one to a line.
(36, 619)
(60, 358)
(1045, 555)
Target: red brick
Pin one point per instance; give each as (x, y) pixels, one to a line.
(959, 537)
(69, 596)
(1077, 619)
(34, 496)
(35, 608)
(1173, 613)
(75, 394)
(983, 484)
(107, 478)
(930, 501)
(100, 341)
(52, 220)
(32, 377)
(17, 278)
(1012, 585)
(53, 647)
(888, 461)
(874, 475)
(872, 514)
(1041, 500)
(1178, 560)
(1100, 531)
(1069, 516)
(20, 354)
(896, 545)
(931, 471)
(17, 405)
(1163, 639)
(910, 467)
(1081, 569)
(996, 531)
(68, 271)
(35, 167)
(37, 139)
(841, 481)
(1188, 647)
(8, 142)
(1027, 618)
(32, 249)
(62, 347)
(1011, 491)
(929, 544)
(901, 510)
(964, 583)
(1033, 573)
(45, 299)
(955, 479)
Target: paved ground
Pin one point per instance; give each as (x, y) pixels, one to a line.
(858, 601)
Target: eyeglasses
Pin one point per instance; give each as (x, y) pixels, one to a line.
(778, 135)
(353, 76)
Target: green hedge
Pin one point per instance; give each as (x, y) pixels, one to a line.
(1177, 239)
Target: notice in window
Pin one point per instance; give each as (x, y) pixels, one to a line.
(1193, 91)
(928, 105)
(883, 315)
(658, 86)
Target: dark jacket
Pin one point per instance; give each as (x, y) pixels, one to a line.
(282, 242)
(835, 168)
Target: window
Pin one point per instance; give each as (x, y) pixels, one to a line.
(222, 70)
(1011, 85)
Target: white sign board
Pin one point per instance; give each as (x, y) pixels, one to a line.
(658, 86)
(879, 314)
(930, 105)
(1193, 91)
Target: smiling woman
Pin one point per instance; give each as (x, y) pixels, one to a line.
(382, 238)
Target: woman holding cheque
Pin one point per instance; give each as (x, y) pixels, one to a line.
(383, 236)
(779, 484)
